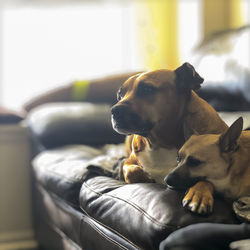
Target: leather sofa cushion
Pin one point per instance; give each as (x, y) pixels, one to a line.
(61, 170)
(144, 213)
(58, 124)
(75, 230)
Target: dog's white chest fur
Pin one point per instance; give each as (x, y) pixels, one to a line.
(222, 186)
(158, 162)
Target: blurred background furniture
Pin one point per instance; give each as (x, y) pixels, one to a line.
(16, 227)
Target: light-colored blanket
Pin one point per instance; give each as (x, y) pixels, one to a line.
(241, 208)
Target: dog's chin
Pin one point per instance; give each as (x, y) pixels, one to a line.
(180, 187)
(143, 130)
(122, 131)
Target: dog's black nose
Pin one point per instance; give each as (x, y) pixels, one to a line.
(122, 113)
(170, 180)
(179, 181)
(119, 110)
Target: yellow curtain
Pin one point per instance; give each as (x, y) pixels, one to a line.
(157, 27)
(157, 30)
(221, 15)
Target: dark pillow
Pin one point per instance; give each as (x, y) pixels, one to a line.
(72, 123)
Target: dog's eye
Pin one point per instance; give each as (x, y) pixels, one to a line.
(193, 162)
(145, 89)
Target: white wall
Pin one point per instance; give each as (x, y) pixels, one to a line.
(15, 191)
(45, 46)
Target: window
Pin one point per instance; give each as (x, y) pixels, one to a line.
(43, 46)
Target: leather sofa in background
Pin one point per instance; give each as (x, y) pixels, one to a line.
(80, 206)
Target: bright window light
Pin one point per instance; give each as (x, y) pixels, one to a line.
(190, 30)
(44, 47)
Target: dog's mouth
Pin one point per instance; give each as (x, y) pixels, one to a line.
(131, 127)
(175, 181)
(127, 122)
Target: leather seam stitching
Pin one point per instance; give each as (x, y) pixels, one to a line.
(162, 225)
(41, 188)
(105, 236)
(111, 229)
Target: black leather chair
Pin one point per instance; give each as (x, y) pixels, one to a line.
(79, 206)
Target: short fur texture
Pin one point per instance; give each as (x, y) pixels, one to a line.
(152, 108)
(221, 159)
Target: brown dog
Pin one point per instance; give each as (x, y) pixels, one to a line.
(152, 108)
(223, 160)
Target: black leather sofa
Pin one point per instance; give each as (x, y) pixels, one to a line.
(79, 200)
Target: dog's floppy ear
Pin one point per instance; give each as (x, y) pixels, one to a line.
(188, 131)
(187, 78)
(228, 141)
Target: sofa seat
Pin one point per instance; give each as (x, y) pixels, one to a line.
(145, 213)
(58, 176)
(61, 170)
(77, 199)
(61, 226)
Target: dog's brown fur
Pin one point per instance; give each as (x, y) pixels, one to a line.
(223, 160)
(160, 113)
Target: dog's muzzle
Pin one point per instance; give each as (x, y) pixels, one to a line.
(125, 121)
(176, 180)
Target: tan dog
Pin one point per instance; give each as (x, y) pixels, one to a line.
(152, 108)
(223, 160)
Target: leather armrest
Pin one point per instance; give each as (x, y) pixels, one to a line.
(144, 213)
(72, 123)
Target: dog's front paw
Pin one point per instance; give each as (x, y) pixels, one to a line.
(199, 198)
(135, 174)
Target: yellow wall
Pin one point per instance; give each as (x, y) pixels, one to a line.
(157, 31)
(157, 27)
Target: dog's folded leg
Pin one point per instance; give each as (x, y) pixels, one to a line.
(199, 198)
(135, 174)
(132, 169)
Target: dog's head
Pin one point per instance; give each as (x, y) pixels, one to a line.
(148, 99)
(205, 157)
